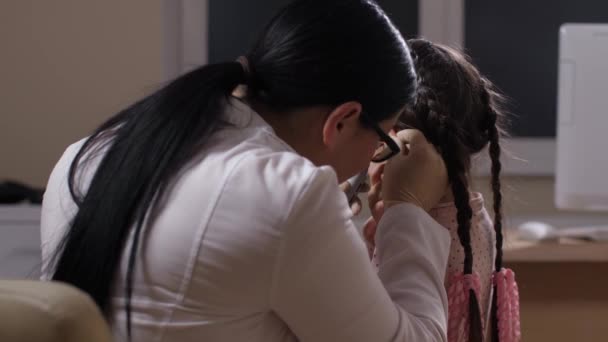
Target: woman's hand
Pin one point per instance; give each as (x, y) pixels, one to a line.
(417, 175)
(355, 206)
(369, 235)
(376, 205)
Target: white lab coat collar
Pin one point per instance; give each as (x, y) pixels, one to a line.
(239, 114)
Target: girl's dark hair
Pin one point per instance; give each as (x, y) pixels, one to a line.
(459, 111)
(313, 52)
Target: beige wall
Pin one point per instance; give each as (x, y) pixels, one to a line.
(65, 66)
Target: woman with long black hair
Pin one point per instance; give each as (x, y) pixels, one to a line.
(197, 215)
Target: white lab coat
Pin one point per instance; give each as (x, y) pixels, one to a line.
(255, 243)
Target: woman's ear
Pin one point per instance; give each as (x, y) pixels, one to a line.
(341, 122)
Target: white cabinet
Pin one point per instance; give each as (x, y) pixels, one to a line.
(19, 241)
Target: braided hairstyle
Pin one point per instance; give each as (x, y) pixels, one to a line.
(459, 112)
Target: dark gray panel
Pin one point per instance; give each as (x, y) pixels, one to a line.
(235, 24)
(516, 44)
(404, 14)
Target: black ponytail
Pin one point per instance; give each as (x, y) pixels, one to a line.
(147, 144)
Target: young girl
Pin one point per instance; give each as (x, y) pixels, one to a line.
(459, 112)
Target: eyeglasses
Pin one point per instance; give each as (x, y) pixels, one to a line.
(387, 147)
